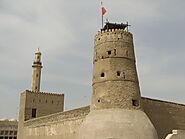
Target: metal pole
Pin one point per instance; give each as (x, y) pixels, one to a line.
(102, 13)
(102, 21)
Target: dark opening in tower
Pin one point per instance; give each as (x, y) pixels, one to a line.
(103, 74)
(34, 111)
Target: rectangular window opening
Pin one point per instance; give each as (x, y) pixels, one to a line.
(109, 52)
(34, 113)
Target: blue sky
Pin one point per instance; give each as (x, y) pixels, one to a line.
(64, 32)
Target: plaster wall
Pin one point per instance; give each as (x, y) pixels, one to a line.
(63, 125)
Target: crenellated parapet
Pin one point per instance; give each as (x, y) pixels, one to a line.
(44, 93)
(112, 35)
(114, 43)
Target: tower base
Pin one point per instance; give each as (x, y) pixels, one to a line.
(117, 124)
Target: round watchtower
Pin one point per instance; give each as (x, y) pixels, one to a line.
(115, 82)
(116, 109)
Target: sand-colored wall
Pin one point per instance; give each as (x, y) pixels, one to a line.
(63, 125)
(44, 103)
(165, 116)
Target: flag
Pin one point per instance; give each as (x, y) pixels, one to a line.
(103, 11)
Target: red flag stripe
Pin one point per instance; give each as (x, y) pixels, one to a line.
(103, 11)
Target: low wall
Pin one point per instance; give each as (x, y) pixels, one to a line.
(63, 125)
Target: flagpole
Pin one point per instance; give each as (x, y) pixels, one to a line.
(102, 21)
(102, 13)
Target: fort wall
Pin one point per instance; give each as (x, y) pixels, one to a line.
(62, 125)
(165, 117)
(37, 104)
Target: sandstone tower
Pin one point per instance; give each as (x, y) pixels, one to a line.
(116, 109)
(36, 75)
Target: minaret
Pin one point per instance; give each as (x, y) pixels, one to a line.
(36, 75)
(116, 109)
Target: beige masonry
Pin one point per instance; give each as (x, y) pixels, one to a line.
(117, 110)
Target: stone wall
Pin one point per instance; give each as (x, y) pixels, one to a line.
(115, 82)
(63, 125)
(42, 103)
(165, 116)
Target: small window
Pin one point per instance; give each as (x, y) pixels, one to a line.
(126, 53)
(135, 102)
(34, 113)
(6, 132)
(39, 100)
(37, 75)
(52, 102)
(123, 75)
(38, 57)
(2, 132)
(102, 74)
(118, 73)
(109, 52)
(99, 39)
(33, 100)
(98, 100)
(11, 132)
(46, 101)
(35, 87)
(114, 51)
(15, 132)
